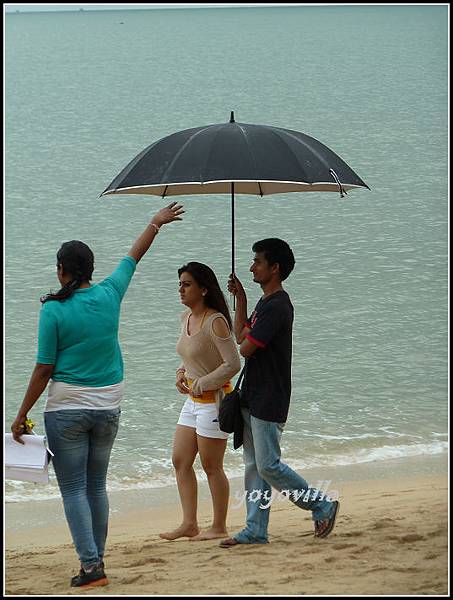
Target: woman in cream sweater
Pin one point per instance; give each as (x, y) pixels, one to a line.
(209, 360)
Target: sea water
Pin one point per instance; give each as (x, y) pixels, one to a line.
(87, 91)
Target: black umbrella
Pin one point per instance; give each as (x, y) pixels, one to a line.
(231, 158)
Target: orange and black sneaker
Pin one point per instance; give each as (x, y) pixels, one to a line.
(94, 577)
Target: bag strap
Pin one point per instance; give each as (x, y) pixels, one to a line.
(241, 375)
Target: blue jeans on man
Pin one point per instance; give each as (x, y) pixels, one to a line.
(263, 469)
(82, 440)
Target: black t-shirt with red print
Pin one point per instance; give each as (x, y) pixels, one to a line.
(267, 382)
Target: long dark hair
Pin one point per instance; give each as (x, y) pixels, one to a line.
(77, 260)
(205, 277)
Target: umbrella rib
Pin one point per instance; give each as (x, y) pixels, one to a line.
(319, 156)
(206, 163)
(218, 132)
(281, 137)
(181, 150)
(251, 155)
(278, 133)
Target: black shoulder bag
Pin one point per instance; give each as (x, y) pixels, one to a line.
(230, 408)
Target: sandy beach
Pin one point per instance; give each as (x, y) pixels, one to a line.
(390, 538)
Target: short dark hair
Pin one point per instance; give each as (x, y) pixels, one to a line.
(277, 251)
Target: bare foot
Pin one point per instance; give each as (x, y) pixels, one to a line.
(182, 531)
(210, 534)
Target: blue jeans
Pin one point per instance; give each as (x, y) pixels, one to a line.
(263, 469)
(82, 441)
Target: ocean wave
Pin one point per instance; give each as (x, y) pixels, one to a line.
(360, 436)
(23, 492)
(373, 455)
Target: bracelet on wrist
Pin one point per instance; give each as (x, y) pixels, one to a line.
(156, 227)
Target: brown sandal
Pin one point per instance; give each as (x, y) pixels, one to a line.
(228, 543)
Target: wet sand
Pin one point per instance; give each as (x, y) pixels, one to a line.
(390, 538)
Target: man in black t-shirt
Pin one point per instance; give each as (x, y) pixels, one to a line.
(265, 341)
(267, 381)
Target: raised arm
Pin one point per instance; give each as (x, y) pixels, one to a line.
(168, 214)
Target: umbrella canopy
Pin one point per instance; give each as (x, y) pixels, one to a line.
(259, 159)
(231, 158)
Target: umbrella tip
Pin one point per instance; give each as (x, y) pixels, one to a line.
(232, 117)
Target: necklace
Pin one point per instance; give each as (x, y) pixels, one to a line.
(201, 324)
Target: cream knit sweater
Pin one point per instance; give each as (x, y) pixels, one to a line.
(210, 361)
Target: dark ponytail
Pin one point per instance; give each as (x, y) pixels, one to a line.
(77, 260)
(205, 277)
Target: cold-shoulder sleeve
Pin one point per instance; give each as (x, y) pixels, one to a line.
(231, 364)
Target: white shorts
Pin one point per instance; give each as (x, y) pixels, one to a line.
(203, 418)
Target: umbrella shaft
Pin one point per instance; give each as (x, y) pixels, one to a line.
(232, 237)
(232, 227)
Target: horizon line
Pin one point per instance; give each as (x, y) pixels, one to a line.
(11, 10)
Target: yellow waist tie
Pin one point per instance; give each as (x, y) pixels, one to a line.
(208, 397)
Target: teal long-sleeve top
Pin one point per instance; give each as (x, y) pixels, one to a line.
(80, 335)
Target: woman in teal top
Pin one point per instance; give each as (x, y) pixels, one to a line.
(79, 352)
(87, 325)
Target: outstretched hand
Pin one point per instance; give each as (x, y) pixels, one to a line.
(168, 214)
